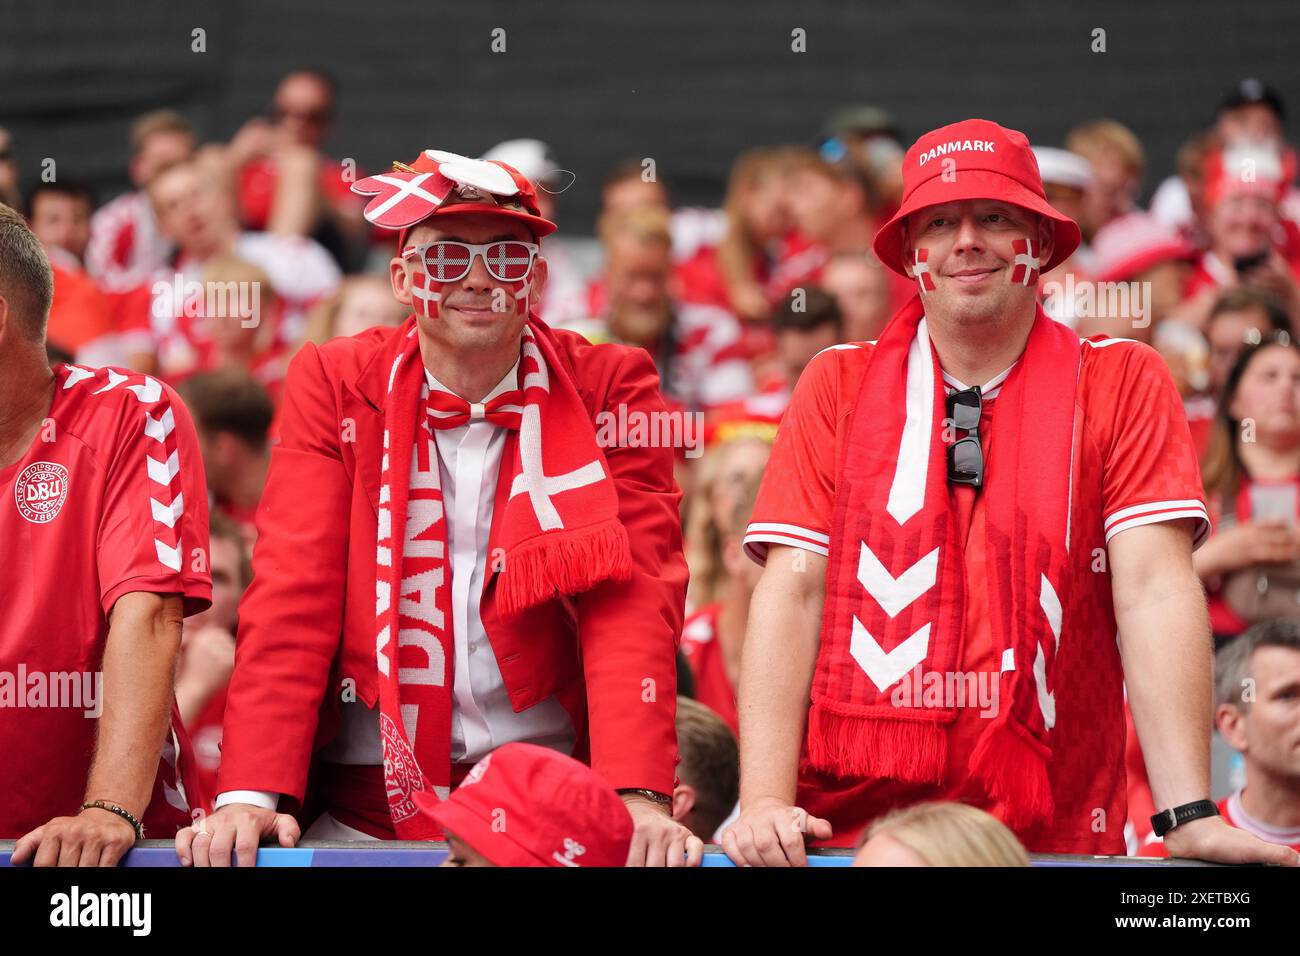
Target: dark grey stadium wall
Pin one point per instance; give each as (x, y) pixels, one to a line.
(690, 84)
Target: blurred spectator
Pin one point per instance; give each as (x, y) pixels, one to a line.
(758, 217)
(1257, 684)
(831, 205)
(861, 287)
(60, 215)
(807, 322)
(636, 184)
(1251, 564)
(940, 834)
(234, 328)
(698, 349)
(1249, 244)
(1117, 161)
(871, 140)
(1251, 114)
(564, 299)
(1240, 317)
(709, 772)
(713, 636)
(10, 194)
(232, 413)
(126, 245)
(1152, 260)
(200, 218)
(285, 183)
(362, 302)
(207, 656)
(525, 805)
(727, 469)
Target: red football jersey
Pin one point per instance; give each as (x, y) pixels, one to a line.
(1133, 465)
(109, 499)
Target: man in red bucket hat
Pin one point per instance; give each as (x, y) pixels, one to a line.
(448, 559)
(956, 521)
(524, 805)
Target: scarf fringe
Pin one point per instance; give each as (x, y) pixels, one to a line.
(913, 751)
(1013, 770)
(562, 563)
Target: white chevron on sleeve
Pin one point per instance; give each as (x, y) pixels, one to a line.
(896, 593)
(148, 393)
(167, 514)
(161, 472)
(886, 668)
(77, 374)
(158, 428)
(171, 557)
(114, 380)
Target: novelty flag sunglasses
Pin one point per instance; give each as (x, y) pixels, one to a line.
(509, 260)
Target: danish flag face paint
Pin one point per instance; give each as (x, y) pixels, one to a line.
(426, 293)
(1025, 266)
(921, 268)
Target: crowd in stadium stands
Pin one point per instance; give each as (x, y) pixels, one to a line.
(731, 304)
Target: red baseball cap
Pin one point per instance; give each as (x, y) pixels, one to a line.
(525, 805)
(439, 183)
(973, 159)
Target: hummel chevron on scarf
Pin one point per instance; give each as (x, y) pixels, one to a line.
(560, 533)
(896, 581)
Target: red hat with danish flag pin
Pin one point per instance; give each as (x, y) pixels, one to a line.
(441, 183)
(973, 159)
(525, 805)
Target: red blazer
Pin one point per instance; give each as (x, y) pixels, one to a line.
(307, 622)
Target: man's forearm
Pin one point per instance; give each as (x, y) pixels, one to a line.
(139, 664)
(776, 674)
(1166, 649)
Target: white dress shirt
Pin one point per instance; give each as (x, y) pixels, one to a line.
(482, 718)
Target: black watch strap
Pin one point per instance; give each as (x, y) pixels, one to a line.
(1166, 820)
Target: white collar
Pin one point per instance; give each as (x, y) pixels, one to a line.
(1264, 831)
(511, 380)
(989, 389)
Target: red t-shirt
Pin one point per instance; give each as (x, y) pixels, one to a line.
(704, 654)
(109, 499)
(1133, 465)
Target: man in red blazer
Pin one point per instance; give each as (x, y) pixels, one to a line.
(454, 553)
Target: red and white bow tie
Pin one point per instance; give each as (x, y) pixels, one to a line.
(448, 410)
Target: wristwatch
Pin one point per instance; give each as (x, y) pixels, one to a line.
(1166, 820)
(655, 795)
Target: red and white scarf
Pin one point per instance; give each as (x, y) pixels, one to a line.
(896, 578)
(560, 532)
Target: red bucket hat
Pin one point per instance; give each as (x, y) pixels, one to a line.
(524, 805)
(439, 183)
(983, 161)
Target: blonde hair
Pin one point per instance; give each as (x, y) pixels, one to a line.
(951, 834)
(1102, 138)
(704, 535)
